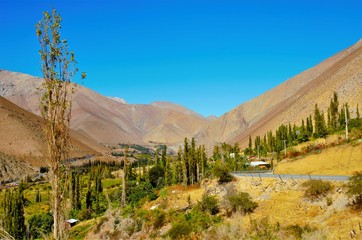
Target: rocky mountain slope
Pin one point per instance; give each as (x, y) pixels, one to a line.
(292, 100)
(22, 141)
(108, 121)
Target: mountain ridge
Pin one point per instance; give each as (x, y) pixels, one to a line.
(255, 117)
(108, 121)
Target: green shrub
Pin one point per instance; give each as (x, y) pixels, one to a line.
(263, 229)
(208, 204)
(317, 188)
(297, 231)
(222, 173)
(158, 218)
(84, 214)
(137, 191)
(40, 224)
(180, 230)
(241, 202)
(354, 188)
(127, 211)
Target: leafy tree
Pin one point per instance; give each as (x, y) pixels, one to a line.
(216, 153)
(222, 173)
(163, 156)
(185, 161)
(178, 167)
(354, 187)
(13, 207)
(157, 158)
(124, 178)
(333, 110)
(37, 196)
(76, 191)
(139, 190)
(319, 123)
(203, 161)
(88, 197)
(168, 173)
(156, 175)
(58, 67)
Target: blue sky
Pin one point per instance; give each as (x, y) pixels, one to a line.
(209, 56)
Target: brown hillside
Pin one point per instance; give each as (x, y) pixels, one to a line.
(109, 121)
(22, 135)
(293, 100)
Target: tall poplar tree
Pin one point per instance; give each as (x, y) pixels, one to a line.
(124, 177)
(357, 112)
(58, 67)
(163, 156)
(185, 163)
(13, 207)
(319, 123)
(333, 108)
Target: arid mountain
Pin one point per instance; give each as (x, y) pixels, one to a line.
(23, 145)
(175, 107)
(108, 121)
(292, 100)
(22, 135)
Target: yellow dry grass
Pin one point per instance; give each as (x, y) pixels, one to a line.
(284, 203)
(281, 202)
(340, 160)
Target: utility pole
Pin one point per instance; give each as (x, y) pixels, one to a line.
(345, 116)
(285, 147)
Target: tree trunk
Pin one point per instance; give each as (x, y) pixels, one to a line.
(56, 205)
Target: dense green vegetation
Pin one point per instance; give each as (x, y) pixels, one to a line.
(318, 126)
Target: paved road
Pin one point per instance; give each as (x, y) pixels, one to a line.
(291, 176)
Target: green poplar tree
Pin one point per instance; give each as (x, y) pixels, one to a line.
(319, 123)
(185, 164)
(334, 111)
(163, 156)
(157, 158)
(13, 206)
(179, 166)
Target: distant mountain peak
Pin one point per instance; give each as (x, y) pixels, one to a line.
(175, 107)
(117, 99)
(211, 117)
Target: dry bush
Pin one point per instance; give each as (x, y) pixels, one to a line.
(316, 189)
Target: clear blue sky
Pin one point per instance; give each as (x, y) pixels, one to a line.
(209, 56)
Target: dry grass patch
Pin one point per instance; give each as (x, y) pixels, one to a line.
(340, 160)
